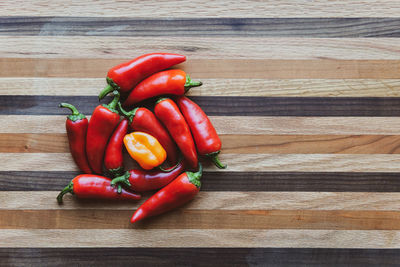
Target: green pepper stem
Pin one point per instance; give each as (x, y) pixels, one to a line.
(214, 158)
(68, 189)
(194, 177)
(71, 107)
(124, 179)
(108, 89)
(114, 102)
(161, 99)
(129, 115)
(189, 83)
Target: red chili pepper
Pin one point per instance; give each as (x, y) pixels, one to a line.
(127, 75)
(204, 134)
(102, 124)
(95, 186)
(180, 191)
(113, 159)
(168, 82)
(168, 113)
(143, 120)
(76, 125)
(139, 180)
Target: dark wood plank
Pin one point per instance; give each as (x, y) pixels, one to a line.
(237, 27)
(222, 105)
(231, 181)
(198, 257)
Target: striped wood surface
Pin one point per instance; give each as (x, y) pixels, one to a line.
(304, 94)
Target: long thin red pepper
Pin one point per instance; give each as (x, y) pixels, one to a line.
(95, 186)
(169, 82)
(140, 181)
(102, 124)
(127, 75)
(143, 120)
(204, 134)
(76, 125)
(180, 191)
(168, 113)
(113, 159)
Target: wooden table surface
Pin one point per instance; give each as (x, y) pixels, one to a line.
(305, 96)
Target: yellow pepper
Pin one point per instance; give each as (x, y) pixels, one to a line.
(145, 149)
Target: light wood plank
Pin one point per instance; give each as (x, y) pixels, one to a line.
(236, 162)
(203, 219)
(201, 47)
(46, 200)
(211, 68)
(250, 125)
(198, 8)
(200, 238)
(233, 144)
(216, 87)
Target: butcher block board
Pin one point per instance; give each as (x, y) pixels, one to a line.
(305, 96)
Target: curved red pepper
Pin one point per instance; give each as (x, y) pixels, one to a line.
(140, 181)
(113, 159)
(168, 82)
(168, 113)
(204, 134)
(76, 125)
(95, 186)
(180, 191)
(143, 120)
(101, 125)
(127, 75)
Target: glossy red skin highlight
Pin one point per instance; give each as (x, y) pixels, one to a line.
(128, 74)
(95, 186)
(145, 121)
(113, 158)
(76, 131)
(169, 82)
(168, 113)
(142, 181)
(175, 194)
(204, 134)
(101, 127)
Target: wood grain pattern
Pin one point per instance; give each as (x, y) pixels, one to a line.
(211, 68)
(215, 87)
(249, 125)
(179, 238)
(200, 47)
(235, 200)
(233, 144)
(198, 8)
(184, 256)
(223, 105)
(231, 181)
(203, 219)
(215, 27)
(237, 162)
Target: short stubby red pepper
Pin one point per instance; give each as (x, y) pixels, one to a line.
(168, 82)
(95, 186)
(143, 120)
(127, 75)
(204, 134)
(180, 191)
(101, 126)
(140, 181)
(113, 158)
(168, 113)
(76, 125)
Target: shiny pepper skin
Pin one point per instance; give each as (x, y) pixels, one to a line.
(145, 149)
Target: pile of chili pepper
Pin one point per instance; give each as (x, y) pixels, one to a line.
(166, 143)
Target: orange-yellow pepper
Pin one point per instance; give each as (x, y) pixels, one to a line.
(145, 149)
